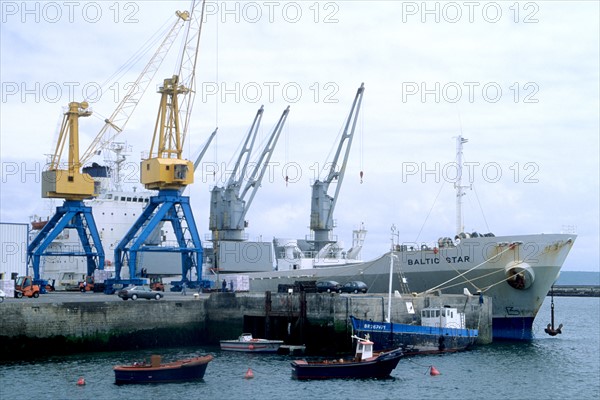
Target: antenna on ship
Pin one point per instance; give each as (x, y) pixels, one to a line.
(458, 184)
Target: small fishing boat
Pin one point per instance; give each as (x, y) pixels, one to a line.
(248, 344)
(156, 372)
(365, 364)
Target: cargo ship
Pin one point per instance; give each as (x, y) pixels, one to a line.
(515, 271)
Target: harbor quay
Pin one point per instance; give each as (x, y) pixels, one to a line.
(71, 323)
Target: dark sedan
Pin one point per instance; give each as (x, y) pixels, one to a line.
(328, 286)
(354, 287)
(141, 292)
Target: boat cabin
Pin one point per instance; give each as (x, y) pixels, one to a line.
(245, 337)
(364, 349)
(442, 317)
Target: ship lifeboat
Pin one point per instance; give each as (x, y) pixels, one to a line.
(37, 225)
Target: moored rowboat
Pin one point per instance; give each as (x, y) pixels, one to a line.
(156, 372)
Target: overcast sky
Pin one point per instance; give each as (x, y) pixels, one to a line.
(520, 80)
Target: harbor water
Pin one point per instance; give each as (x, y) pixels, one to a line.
(564, 366)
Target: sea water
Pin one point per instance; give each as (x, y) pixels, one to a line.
(566, 366)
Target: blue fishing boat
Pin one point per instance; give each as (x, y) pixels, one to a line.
(156, 372)
(442, 330)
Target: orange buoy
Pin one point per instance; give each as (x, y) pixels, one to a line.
(433, 371)
(249, 374)
(80, 381)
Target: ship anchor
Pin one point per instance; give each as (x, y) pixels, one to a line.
(550, 328)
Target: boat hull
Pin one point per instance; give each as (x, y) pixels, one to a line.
(178, 371)
(414, 339)
(255, 346)
(377, 367)
(477, 264)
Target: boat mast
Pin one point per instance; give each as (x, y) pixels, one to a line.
(389, 309)
(458, 184)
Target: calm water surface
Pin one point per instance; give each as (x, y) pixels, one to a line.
(566, 366)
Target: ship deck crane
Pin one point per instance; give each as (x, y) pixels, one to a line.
(168, 172)
(229, 205)
(323, 205)
(75, 186)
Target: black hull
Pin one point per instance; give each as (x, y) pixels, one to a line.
(380, 367)
(173, 372)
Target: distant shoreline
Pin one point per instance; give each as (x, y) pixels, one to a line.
(575, 290)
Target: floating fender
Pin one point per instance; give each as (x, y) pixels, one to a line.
(80, 381)
(249, 374)
(519, 275)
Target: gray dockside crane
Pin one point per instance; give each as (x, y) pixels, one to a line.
(322, 205)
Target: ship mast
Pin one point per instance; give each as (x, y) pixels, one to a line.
(458, 184)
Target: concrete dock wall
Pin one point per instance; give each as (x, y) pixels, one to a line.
(321, 321)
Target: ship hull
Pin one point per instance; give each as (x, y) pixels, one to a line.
(414, 339)
(516, 272)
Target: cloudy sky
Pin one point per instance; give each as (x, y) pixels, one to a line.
(520, 80)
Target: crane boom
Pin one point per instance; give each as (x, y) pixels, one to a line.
(187, 65)
(263, 161)
(228, 206)
(205, 148)
(115, 124)
(235, 180)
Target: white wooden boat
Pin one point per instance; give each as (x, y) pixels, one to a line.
(248, 344)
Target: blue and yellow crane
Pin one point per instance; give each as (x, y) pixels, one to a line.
(167, 171)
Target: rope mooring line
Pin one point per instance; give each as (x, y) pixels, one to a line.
(466, 272)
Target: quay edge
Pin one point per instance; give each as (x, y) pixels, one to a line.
(319, 321)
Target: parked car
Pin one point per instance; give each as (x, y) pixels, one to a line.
(2, 295)
(328, 286)
(354, 287)
(142, 292)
